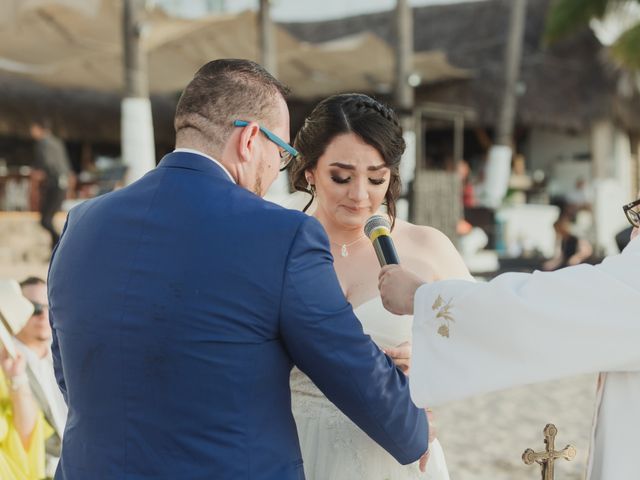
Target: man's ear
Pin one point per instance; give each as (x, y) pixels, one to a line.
(247, 142)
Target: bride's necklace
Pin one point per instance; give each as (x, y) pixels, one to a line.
(344, 246)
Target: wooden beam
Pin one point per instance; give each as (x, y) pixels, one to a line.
(135, 59)
(268, 54)
(403, 91)
(513, 58)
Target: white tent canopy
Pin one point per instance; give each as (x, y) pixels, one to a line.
(78, 43)
(12, 10)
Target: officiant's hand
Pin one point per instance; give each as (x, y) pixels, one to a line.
(401, 356)
(398, 288)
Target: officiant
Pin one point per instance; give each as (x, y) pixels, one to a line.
(472, 338)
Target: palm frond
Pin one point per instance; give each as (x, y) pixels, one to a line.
(566, 16)
(626, 48)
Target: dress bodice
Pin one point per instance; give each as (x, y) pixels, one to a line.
(386, 330)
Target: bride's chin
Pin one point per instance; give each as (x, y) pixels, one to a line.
(351, 221)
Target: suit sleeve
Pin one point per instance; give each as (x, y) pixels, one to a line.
(473, 338)
(55, 347)
(326, 341)
(57, 365)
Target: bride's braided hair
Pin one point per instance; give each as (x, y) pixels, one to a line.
(375, 123)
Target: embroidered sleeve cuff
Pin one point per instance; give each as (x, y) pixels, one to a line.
(420, 363)
(422, 301)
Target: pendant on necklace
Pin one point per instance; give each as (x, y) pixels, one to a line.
(344, 251)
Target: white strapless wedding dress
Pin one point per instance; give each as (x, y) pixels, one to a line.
(333, 447)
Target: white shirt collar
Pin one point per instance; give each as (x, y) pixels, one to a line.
(198, 152)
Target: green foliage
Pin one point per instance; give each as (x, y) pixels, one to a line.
(626, 49)
(567, 16)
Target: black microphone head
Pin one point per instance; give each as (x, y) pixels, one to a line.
(375, 222)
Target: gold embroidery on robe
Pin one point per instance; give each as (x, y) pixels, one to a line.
(443, 312)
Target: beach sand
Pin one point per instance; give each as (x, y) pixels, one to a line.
(484, 437)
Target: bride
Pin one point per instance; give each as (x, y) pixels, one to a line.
(350, 148)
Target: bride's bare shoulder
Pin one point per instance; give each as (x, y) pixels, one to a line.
(421, 235)
(419, 241)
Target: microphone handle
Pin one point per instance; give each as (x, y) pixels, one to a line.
(385, 251)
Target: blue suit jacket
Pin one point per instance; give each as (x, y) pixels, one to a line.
(179, 305)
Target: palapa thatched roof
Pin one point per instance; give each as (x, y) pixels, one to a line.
(84, 51)
(75, 114)
(568, 85)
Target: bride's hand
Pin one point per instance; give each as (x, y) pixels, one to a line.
(432, 436)
(423, 461)
(432, 425)
(401, 356)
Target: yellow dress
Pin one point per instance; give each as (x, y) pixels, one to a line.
(16, 461)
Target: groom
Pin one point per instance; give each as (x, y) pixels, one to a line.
(180, 303)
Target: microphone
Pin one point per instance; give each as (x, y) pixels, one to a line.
(378, 230)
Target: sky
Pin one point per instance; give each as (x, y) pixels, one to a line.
(315, 10)
(297, 10)
(293, 10)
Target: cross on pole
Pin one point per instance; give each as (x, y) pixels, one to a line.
(545, 459)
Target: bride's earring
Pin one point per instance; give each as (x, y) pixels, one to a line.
(311, 187)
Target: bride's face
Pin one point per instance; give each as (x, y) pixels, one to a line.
(351, 180)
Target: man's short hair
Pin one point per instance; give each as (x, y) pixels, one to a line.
(223, 91)
(29, 281)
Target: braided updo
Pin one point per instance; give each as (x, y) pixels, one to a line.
(376, 124)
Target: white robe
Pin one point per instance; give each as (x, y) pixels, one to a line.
(525, 328)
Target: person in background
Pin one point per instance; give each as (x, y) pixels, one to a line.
(519, 182)
(23, 429)
(579, 198)
(51, 158)
(468, 193)
(34, 343)
(570, 250)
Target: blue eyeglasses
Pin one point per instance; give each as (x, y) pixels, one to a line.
(632, 214)
(287, 152)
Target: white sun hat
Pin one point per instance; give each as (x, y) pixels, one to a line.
(15, 311)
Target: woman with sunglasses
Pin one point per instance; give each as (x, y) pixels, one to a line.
(349, 154)
(23, 429)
